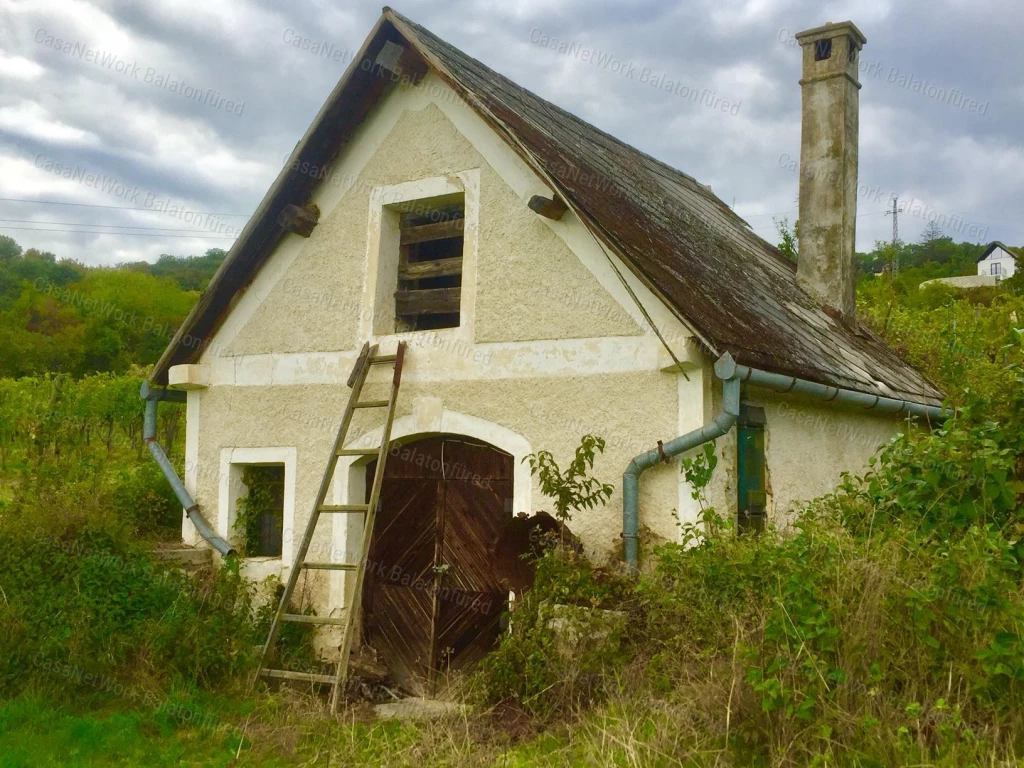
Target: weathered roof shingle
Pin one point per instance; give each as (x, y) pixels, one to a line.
(734, 290)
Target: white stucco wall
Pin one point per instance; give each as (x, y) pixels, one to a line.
(808, 445)
(551, 347)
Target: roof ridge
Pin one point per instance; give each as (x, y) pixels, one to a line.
(674, 173)
(732, 288)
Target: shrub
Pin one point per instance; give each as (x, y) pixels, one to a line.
(564, 643)
(85, 603)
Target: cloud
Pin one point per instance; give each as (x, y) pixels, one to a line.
(18, 68)
(182, 144)
(35, 121)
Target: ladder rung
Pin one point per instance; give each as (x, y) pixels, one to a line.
(383, 359)
(358, 451)
(343, 508)
(330, 566)
(372, 404)
(300, 618)
(286, 674)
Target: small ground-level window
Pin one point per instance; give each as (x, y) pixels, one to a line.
(260, 517)
(430, 263)
(750, 462)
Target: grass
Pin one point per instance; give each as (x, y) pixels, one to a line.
(35, 732)
(294, 730)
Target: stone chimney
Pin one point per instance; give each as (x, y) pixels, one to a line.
(829, 93)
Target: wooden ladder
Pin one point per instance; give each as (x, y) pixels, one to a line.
(368, 358)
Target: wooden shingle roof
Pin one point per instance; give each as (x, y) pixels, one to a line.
(735, 291)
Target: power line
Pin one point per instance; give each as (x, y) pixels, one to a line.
(787, 213)
(116, 226)
(117, 207)
(759, 215)
(119, 234)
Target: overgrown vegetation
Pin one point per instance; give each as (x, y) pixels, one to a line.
(86, 604)
(59, 316)
(260, 518)
(884, 628)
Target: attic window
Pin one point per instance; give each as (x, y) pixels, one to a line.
(823, 50)
(430, 263)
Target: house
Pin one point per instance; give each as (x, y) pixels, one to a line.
(553, 282)
(998, 261)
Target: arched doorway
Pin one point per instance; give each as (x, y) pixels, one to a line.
(432, 598)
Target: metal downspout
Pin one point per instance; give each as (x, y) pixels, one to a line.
(153, 398)
(732, 376)
(631, 477)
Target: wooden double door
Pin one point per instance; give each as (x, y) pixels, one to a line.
(432, 599)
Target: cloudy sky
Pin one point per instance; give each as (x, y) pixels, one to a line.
(92, 112)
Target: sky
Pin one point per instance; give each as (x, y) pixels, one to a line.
(159, 125)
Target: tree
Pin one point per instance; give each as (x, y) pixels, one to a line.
(788, 237)
(574, 488)
(9, 249)
(935, 245)
(931, 233)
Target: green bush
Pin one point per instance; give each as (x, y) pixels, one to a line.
(563, 646)
(145, 499)
(87, 603)
(885, 626)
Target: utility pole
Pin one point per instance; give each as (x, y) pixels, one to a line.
(895, 213)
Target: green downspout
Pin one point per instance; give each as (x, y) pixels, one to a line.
(203, 527)
(631, 477)
(732, 376)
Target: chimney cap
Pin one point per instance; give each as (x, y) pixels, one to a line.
(830, 31)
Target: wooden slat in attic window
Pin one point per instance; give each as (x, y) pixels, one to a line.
(421, 233)
(430, 266)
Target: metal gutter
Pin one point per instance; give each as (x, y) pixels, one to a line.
(153, 396)
(733, 376)
(726, 367)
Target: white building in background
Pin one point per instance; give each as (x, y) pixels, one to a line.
(997, 261)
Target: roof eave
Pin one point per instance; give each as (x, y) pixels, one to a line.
(246, 241)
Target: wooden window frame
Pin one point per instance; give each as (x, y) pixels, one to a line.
(420, 304)
(377, 321)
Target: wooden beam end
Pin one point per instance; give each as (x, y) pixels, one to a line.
(300, 221)
(550, 208)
